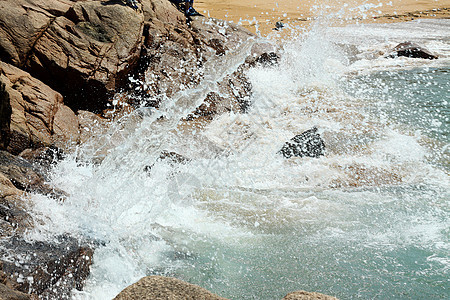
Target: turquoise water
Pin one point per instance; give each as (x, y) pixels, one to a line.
(396, 248)
(419, 98)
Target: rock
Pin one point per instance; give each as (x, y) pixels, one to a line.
(172, 158)
(5, 116)
(278, 25)
(48, 269)
(83, 49)
(308, 143)
(91, 125)
(23, 23)
(175, 54)
(13, 217)
(66, 129)
(7, 293)
(24, 176)
(158, 287)
(43, 158)
(302, 295)
(410, 49)
(38, 116)
(268, 59)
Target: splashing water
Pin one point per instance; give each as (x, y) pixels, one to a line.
(370, 219)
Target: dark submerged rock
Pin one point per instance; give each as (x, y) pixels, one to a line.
(48, 269)
(308, 143)
(413, 50)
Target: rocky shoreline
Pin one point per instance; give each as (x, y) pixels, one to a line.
(65, 69)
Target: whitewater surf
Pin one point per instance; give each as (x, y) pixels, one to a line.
(369, 219)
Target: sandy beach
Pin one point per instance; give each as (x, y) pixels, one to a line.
(261, 16)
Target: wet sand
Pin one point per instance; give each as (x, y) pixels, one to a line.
(260, 16)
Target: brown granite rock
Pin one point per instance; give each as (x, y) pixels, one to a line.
(86, 53)
(34, 109)
(23, 23)
(66, 131)
(80, 48)
(158, 288)
(302, 295)
(91, 125)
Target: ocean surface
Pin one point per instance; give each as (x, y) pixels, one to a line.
(368, 220)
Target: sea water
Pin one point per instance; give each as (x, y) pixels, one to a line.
(369, 219)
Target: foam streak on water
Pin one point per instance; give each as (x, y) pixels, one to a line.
(369, 219)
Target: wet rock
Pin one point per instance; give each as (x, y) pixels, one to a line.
(267, 60)
(302, 295)
(308, 143)
(43, 158)
(175, 54)
(91, 125)
(25, 176)
(83, 49)
(5, 116)
(278, 25)
(410, 49)
(7, 293)
(158, 288)
(38, 116)
(13, 216)
(48, 269)
(172, 158)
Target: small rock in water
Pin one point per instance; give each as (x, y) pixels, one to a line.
(170, 157)
(268, 59)
(413, 50)
(303, 295)
(278, 25)
(308, 143)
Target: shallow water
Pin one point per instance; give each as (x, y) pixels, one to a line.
(370, 219)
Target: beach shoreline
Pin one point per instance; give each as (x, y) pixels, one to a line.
(260, 16)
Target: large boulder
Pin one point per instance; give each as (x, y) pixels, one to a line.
(82, 49)
(159, 288)
(50, 270)
(22, 24)
(38, 116)
(413, 50)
